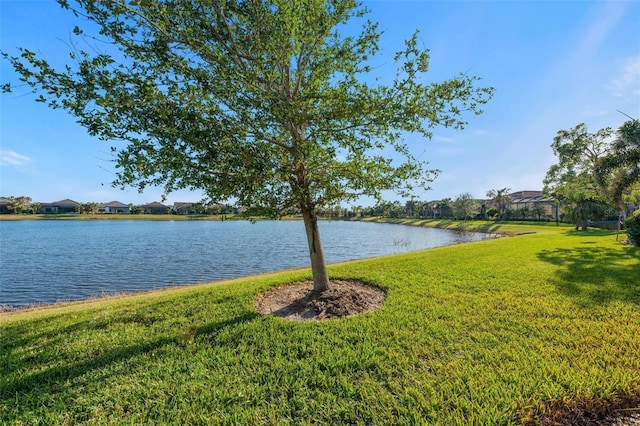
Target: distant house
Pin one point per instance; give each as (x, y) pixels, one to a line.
(114, 207)
(155, 208)
(183, 208)
(4, 205)
(529, 199)
(57, 207)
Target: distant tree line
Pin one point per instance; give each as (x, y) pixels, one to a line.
(462, 207)
(24, 205)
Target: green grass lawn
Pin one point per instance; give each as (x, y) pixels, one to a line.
(482, 333)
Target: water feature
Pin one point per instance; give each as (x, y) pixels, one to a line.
(50, 260)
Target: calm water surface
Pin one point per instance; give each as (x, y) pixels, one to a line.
(45, 261)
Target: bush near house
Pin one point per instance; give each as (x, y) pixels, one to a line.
(632, 225)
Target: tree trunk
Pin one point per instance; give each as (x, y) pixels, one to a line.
(318, 265)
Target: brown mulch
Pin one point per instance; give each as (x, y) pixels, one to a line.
(299, 302)
(623, 410)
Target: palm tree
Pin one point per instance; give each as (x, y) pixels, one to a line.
(500, 198)
(619, 170)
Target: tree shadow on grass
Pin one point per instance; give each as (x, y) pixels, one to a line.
(591, 232)
(61, 371)
(490, 227)
(458, 225)
(25, 333)
(597, 275)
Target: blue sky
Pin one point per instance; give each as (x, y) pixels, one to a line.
(554, 64)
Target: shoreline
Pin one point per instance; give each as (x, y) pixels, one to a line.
(493, 229)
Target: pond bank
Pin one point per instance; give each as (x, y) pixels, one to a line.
(484, 333)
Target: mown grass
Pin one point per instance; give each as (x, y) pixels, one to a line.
(482, 333)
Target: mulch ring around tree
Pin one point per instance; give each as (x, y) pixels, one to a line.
(621, 410)
(298, 301)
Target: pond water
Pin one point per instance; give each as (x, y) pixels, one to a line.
(44, 261)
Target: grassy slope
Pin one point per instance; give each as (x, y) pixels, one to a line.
(481, 333)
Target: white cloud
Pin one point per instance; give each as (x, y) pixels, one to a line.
(608, 16)
(445, 139)
(628, 82)
(12, 158)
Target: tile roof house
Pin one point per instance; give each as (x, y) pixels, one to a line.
(114, 207)
(155, 208)
(4, 205)
(183, 208)
(62, 206)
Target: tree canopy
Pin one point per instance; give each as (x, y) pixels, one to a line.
(572, 180)
(262, 101)
(619, 170)
(465, 206)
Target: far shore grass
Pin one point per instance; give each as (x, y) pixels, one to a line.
(485, 333)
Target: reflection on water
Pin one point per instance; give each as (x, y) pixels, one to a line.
(47, 261)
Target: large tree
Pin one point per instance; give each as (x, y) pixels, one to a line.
(262, 101)
(19, 204)
(572, 180)
(619, 170)
(465, 206)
